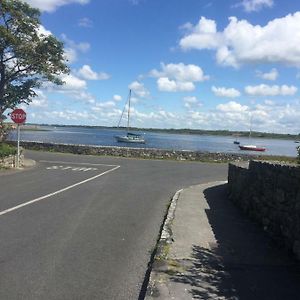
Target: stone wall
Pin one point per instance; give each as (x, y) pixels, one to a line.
(136, 152)
(270, 194)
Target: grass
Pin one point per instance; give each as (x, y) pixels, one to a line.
(6, 150)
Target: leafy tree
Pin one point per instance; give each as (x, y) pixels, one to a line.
(28, 57)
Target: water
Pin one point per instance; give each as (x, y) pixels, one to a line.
(105, 137)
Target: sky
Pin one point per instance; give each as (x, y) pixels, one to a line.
(200, 64)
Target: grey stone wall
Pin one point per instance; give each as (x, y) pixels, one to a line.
(270, 194)
(136, 152)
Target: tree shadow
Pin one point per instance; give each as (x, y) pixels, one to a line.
(243, 264)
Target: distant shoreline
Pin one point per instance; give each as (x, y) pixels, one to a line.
(235, 134)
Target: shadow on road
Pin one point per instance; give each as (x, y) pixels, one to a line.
(243, 264)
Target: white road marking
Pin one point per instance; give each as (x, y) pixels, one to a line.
(84, 169)
(55, 193)
(74, 163)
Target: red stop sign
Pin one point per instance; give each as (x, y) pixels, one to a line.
(18, 116)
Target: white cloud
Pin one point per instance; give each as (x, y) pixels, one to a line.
(225, 92)
(52, 5)
(71, 115)
(232, 106)
(117, 98)
(43, 31)
(164, 84)
(73, 83)
(72, 48)
(84, 96)
(178, 77)
(70, 55)
(272, 75)
(191, 102)
(87, 73)
(40, 100)
(100, 106)
(139, 89)
(243, 43)
(180, 72)
(274, 90)
(255, 5)
(85, 22)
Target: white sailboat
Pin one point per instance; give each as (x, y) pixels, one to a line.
(129, 137)
(251, 147)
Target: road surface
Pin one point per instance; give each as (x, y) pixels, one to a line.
(84, 227)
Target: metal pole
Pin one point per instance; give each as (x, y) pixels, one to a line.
(18, 147)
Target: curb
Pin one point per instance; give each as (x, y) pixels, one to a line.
(165, 239)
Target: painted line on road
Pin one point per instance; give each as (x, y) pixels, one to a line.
(75, 163)
(57, 192)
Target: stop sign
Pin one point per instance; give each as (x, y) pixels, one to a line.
(18, 116)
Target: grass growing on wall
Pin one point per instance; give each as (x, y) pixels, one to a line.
(6, 150)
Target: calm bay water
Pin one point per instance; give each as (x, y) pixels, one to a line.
(105, 137)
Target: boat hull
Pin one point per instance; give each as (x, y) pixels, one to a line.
(126, 139)
(252, 148)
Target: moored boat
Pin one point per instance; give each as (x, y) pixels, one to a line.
(252, 148)
(129, 137)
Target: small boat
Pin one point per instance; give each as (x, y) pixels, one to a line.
(236, 142)
(252, 148)
(297, 142)
(129, 137)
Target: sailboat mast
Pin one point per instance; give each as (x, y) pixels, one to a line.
(128, 111)
(250, 132)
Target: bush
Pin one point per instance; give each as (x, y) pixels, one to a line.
(6, 150)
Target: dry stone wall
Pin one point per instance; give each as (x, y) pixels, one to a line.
(136, 152)
(270, 194)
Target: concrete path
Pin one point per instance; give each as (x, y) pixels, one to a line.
(215, 252)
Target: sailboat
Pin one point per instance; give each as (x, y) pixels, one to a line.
(129, 137)
(252, 147)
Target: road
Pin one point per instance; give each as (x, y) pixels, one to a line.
(84, 227)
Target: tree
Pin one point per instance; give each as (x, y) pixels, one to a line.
(28, 56)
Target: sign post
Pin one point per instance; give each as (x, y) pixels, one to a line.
(19, 117)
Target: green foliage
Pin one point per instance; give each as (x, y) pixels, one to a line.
(6, 150)
(28, 57)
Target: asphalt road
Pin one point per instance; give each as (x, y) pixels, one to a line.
(84, 227)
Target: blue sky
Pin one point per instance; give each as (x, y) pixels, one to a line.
(203, 64)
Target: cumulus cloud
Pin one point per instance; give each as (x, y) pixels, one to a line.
(225, 92)
(274, 90)
(180, 72)
(117, 98)
(85, 22)
(243, 43)
(100, 106)
(87, 73)
(52, 5)
(139, 89)
(43, 31)
(232, 106)
(178, 77)
(191, 102)
(267, 117)
(71, 84)
(272, 75)
(165, 84)
(72, 48)
(40, 101)
(255, 5)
